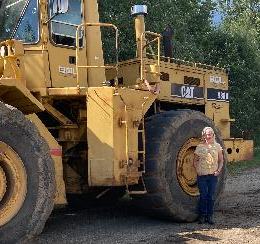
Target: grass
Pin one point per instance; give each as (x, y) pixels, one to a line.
(238, 167)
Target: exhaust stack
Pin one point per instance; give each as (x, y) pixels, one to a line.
(139, 12)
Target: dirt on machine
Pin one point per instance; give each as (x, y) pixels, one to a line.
(73, 123)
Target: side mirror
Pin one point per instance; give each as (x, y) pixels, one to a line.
(60, 6)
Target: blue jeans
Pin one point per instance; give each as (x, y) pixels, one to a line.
(207, 186)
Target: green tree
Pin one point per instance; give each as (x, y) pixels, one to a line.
(190, 19)
(237, 44)
(234, 44)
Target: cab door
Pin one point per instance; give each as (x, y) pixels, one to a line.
(62, 46)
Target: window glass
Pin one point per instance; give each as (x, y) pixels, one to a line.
(10, 14)
(28, 27)
(64, 26)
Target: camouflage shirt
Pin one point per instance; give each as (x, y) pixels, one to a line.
(207, 158)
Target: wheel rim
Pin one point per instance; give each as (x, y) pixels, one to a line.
(13, 183)
(2, 184)
(186, 173)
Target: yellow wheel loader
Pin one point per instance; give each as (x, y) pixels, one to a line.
(71, 123)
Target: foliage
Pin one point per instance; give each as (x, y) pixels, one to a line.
(240, 37)
(184, 16)
(234, 44)
(237, 52)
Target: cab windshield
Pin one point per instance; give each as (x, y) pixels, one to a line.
(19, 20)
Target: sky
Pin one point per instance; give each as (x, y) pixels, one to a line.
(216, 18)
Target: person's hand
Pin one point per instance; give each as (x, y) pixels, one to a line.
(217, 172)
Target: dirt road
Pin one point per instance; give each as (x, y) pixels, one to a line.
(237, 221)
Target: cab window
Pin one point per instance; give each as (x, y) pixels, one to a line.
(63, 26)
(28, 26)
(19, 20)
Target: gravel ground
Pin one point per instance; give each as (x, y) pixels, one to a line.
(237, 221)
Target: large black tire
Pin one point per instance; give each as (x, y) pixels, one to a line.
(24, 139)
(166, 133)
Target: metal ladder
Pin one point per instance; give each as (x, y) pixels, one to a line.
(142, 162)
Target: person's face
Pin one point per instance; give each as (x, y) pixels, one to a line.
(208, 136)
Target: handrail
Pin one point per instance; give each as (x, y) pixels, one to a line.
(78, 47)
(189, 63)
(143, 46)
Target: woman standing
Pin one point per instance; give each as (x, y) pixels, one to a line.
(208, 162)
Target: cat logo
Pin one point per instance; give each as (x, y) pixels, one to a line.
(187, 91)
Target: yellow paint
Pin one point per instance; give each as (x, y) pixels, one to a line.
(113, 119)
(31, 74)
(239, 149)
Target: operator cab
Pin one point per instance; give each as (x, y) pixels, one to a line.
(20, 21)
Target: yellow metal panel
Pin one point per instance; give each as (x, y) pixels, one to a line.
(63, 74)
(176, 75)
(101, 172)
(239, 149)
(113, 119)
(219, 113)
(100, 136)
(223, 82)
(14, 93)
(67, 91)
(37, 73)
(129, 71)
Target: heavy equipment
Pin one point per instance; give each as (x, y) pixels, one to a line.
(72, 123)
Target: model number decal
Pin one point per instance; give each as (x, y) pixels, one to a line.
(216, 79)
(67, 70)
(218, 94)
